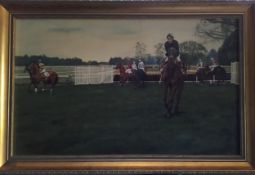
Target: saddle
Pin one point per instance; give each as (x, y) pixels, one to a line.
(45, 75)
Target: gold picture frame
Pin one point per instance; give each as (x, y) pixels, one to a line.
(9, 10)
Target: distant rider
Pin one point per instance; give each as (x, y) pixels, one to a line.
(129, 69)
(141, 65)
(42, 69)
(134, 67)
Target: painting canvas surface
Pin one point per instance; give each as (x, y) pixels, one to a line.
(99, 89)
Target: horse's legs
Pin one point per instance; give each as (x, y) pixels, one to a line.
(35, 84)
(135, 80)
(35, 87)
(177, 100)
(165, 95)
(123, 80)
(120, 81)
(143, 78)
(51, 91)
(52, 83)
(30, 87)
(44, 88)
(168, 100)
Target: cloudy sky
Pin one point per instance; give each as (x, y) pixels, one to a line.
(98, 39)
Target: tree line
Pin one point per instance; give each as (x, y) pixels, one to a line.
(53, 61)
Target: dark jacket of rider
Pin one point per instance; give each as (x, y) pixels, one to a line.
(173, 44)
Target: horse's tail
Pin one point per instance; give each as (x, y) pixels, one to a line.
(53, 79)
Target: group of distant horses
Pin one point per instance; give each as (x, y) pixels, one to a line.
(136, 77)
(172, 76)
(216, 75)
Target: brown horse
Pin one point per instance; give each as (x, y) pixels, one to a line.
(217, 75)
(173, 79)
(204, 73)
(123, 74)
(36, 77)
(137, 77)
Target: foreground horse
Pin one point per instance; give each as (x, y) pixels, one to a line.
(36, 77)
(136, 76)
(173, 79)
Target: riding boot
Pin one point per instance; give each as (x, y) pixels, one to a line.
(169, 112)
(176, 110)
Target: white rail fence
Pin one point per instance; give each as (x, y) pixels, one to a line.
(88, 74)
(234, 79)
(93, 74)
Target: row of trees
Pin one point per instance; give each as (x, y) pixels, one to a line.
(222, 29)
(53, 61)
(191, 53)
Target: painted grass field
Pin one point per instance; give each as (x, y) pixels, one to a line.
(109, 119)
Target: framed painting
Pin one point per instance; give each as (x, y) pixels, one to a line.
(127, 87)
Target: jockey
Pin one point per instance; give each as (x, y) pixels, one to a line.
(134, 67)
(141, 65)
(200, 63)
(129, 66)
(171, 44)
(214, 64)
(42, 69)
(129, 69)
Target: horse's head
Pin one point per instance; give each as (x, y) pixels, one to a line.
(119, 66)
(219, 70)
(32, 68)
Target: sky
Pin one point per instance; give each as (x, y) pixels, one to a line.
(99, 39)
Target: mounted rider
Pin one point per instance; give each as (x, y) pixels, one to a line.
(45, 74)
(141, 65)
(134, 67)
(214, 64)
(129, 69)
(172, 47)
(172, 52)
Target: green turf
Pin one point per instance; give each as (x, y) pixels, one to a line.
(109, 119)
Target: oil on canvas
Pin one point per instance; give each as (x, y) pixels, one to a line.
(167, 86)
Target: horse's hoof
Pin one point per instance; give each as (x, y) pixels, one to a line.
(167, 115)
(178, 112)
